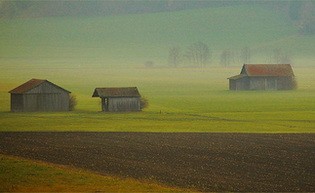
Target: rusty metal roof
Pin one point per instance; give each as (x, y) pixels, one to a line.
(267, 70)
(116, 92)
(30, 85)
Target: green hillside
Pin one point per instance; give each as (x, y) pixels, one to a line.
(131, 40)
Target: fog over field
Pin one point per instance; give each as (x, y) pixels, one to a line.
(136, 33)
(178, 66)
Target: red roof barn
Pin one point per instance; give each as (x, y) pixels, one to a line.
(263, 77)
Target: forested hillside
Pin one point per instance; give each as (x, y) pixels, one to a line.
(24, 9)
(302, 11)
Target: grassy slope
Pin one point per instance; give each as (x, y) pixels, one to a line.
(181, 100)
(134, 39)
(21, 175)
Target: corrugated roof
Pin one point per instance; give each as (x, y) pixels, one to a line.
(267, 70)
(116, 92)
(30, 85)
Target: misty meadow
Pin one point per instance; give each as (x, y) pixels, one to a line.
(188, 96)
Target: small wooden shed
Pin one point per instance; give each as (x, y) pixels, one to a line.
(264, 77)
(119, 99)
(39, 95)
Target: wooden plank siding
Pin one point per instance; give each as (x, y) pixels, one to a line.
(258, 83)
(263, 77)
(239, 84)
(124, 104)
(39, 95)
(17, 102)
(46, 102)
(122, 99)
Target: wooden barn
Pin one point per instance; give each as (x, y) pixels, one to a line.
(119, 99)
(264, 77)
(39, 95)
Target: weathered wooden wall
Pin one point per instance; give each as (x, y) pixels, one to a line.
(257, 83)
(46, 102)
(271, 83)
(16, 102)
(286, 83)
(121, 104)
(262, 83)
(239, 84)
(45, 97)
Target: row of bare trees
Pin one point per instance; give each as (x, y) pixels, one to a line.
(199, 55)
(228, 57)
(275, 56)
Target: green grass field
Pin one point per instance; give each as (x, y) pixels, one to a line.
(22, 175)
(180, 100)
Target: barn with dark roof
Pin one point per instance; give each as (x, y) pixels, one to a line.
(119, 99)
(263, 77)
(39, 95)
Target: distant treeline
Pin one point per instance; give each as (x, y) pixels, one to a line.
(301, 12)
(200, 55)
(17, 8)
(50, 8)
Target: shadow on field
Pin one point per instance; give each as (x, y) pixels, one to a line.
(203, 161)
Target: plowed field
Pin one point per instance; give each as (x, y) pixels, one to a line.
(203, 161)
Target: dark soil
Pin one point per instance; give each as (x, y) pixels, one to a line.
(203, 161)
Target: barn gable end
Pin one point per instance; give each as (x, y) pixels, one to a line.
(39, 95)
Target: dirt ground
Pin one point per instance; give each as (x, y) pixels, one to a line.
(203, 161)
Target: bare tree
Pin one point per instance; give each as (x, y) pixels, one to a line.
(281, 57)
(245, 55)
(226, 57)
(198, 54)
(278, 56)
(174, 56)
(286, 58)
